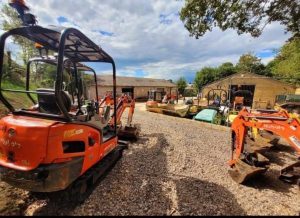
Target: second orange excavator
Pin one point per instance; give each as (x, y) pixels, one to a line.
(254, 130)
(125, 101)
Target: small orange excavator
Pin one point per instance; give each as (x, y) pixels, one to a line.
(129, 131)
(253, 131)
(59, 145)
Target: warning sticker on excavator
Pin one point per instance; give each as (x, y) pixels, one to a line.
(72, 132)
(295, 141)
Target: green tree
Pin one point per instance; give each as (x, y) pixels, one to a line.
(286, 64)
(247, 16)
(181, 85)
(10, 21)
(205, 76)
(226, 69)
(247, 63)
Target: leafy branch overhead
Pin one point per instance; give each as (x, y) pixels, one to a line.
(245, 16)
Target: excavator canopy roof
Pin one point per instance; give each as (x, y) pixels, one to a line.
(78, 47)
(67, 63)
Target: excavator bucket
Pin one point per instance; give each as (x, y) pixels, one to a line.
(242, 171)
(291, 173)
(128, 133)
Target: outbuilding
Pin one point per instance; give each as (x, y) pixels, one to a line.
(262, 90)
(138, 87)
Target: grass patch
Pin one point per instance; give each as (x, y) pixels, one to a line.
(17, 100)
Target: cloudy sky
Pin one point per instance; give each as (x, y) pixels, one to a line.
(147, 39)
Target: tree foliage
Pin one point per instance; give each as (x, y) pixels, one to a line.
(247, 16)
(204, 77)
(211, 74)
(11, 21)
(286, 64)
(247, 62)
(226, 69)
(250, 63)
(181, 85)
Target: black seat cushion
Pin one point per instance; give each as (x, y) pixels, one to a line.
(47, 101)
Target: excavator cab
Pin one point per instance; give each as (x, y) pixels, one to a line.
(57, 140)
(74, 89)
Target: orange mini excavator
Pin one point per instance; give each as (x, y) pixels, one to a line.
(62, 143)
(129, 131)
(256, 130)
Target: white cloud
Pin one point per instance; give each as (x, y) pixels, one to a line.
(141, 41)
(266, 60)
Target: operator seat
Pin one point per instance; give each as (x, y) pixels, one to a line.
(47, 101)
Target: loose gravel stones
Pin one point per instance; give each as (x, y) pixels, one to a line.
(177, 167)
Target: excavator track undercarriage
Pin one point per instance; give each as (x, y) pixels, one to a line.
(83, 186)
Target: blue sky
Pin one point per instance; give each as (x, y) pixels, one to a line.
(147, 39)
(268, 53)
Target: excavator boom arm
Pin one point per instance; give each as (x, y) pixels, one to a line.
(278, 123)
(124, 102)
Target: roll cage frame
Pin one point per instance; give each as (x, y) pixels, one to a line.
(69, 43)
(68, 65)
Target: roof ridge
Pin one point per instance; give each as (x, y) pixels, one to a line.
(255, 74)
(124, 81)
(132, 77)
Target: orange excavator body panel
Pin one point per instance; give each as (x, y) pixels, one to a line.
(75, 133)
(23, 142)
(54, 151)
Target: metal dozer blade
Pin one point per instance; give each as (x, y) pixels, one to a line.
(129, 133)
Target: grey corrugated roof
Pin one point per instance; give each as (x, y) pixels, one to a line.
(122, 81)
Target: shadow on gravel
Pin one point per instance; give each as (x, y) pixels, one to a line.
(283, 148)
(270, 181)
(147, 189)
(140, 185)
(196, 197)
(279, 154)
(191, 196)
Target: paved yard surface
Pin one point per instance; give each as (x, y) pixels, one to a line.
(177, 167)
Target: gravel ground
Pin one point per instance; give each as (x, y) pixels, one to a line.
(177, 167)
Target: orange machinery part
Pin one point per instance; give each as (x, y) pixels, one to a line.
(280, 123)
(37, 141)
